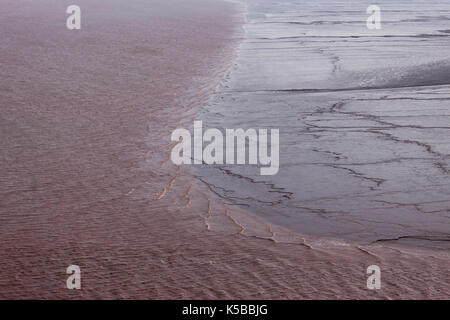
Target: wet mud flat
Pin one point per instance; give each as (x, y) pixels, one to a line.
(363, 118)
(87, 177)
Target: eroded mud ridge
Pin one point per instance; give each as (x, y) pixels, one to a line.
(363, 118)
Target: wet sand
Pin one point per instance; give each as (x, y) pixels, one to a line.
(86, 176)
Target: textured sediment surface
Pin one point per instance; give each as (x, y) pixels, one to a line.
(363, 118)
(86, 176)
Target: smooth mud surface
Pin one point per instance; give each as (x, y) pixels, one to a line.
(363, 118)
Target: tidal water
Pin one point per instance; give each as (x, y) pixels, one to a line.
(363, 115)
